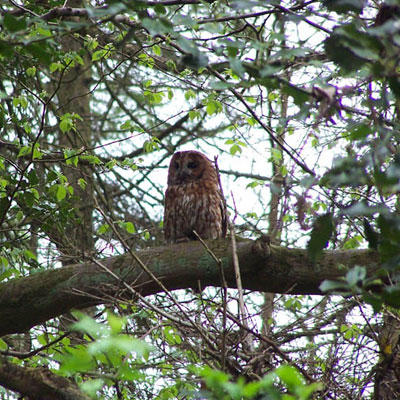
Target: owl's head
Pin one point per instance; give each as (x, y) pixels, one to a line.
(188, 166)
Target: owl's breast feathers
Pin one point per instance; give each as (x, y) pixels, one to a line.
(195, 206)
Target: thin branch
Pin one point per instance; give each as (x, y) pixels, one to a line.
(291, 152)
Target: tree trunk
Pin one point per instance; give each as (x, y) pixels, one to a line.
(387, 376)
(76, 242)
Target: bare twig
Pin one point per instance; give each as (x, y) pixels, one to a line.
(242, 308)
(224, 290)
(150, 273)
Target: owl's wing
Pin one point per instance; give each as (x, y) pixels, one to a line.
(168, 218)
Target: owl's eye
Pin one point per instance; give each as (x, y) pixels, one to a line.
(192, 165)
(176, 165)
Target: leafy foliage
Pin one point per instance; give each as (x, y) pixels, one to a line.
(301, 103)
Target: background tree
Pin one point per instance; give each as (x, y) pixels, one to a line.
(300, 103)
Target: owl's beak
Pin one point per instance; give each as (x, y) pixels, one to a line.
(183, 175)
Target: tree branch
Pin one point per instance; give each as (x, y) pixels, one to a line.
(26, 302)
(38, 383)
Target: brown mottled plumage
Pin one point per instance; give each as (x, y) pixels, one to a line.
(193, 199)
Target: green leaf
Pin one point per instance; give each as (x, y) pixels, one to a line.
(35, 193)
(29, 255)
(130, 228)
(9, 273)
(371, 235)
(157, 26)
(116, 323)
(98, 55)
(88, 325)
(157, 50)
(56, 67)
(37, 154)
(193, 114)
(147, 83)
(65, 125)
(170, 94)
(28, 198)
(254, 184)
(320, 235)
(356, 276)
(235, 149)
(350, 48)
(124, 344)
(20, 101)
(24, 151)
(111, 164)
(334, 286)
(94, 160)
(44, 32)
(213, 107)
(391, 296)
(290, 376)
(3, 261)
(360, 131)
(92, 386)
(13, 24)
(276, 155)
(27, 127)
(71, 157)
(190, 94)
(3, 345)
(31, 71)
(219, 85)
(344, 6)
(61, 192)
(299, 96)
(237, 67)
(6, 49)
(103, 229)
(40, 51)
(394, 84)
(375, 301)
(77, 359)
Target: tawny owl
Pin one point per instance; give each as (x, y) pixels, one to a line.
(193, 199)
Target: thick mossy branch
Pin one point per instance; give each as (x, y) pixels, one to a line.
(38, 383)
(26, 302)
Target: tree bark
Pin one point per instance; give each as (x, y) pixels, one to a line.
(38, 383)
(387, 376)
(73, 96)
(26, 302)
